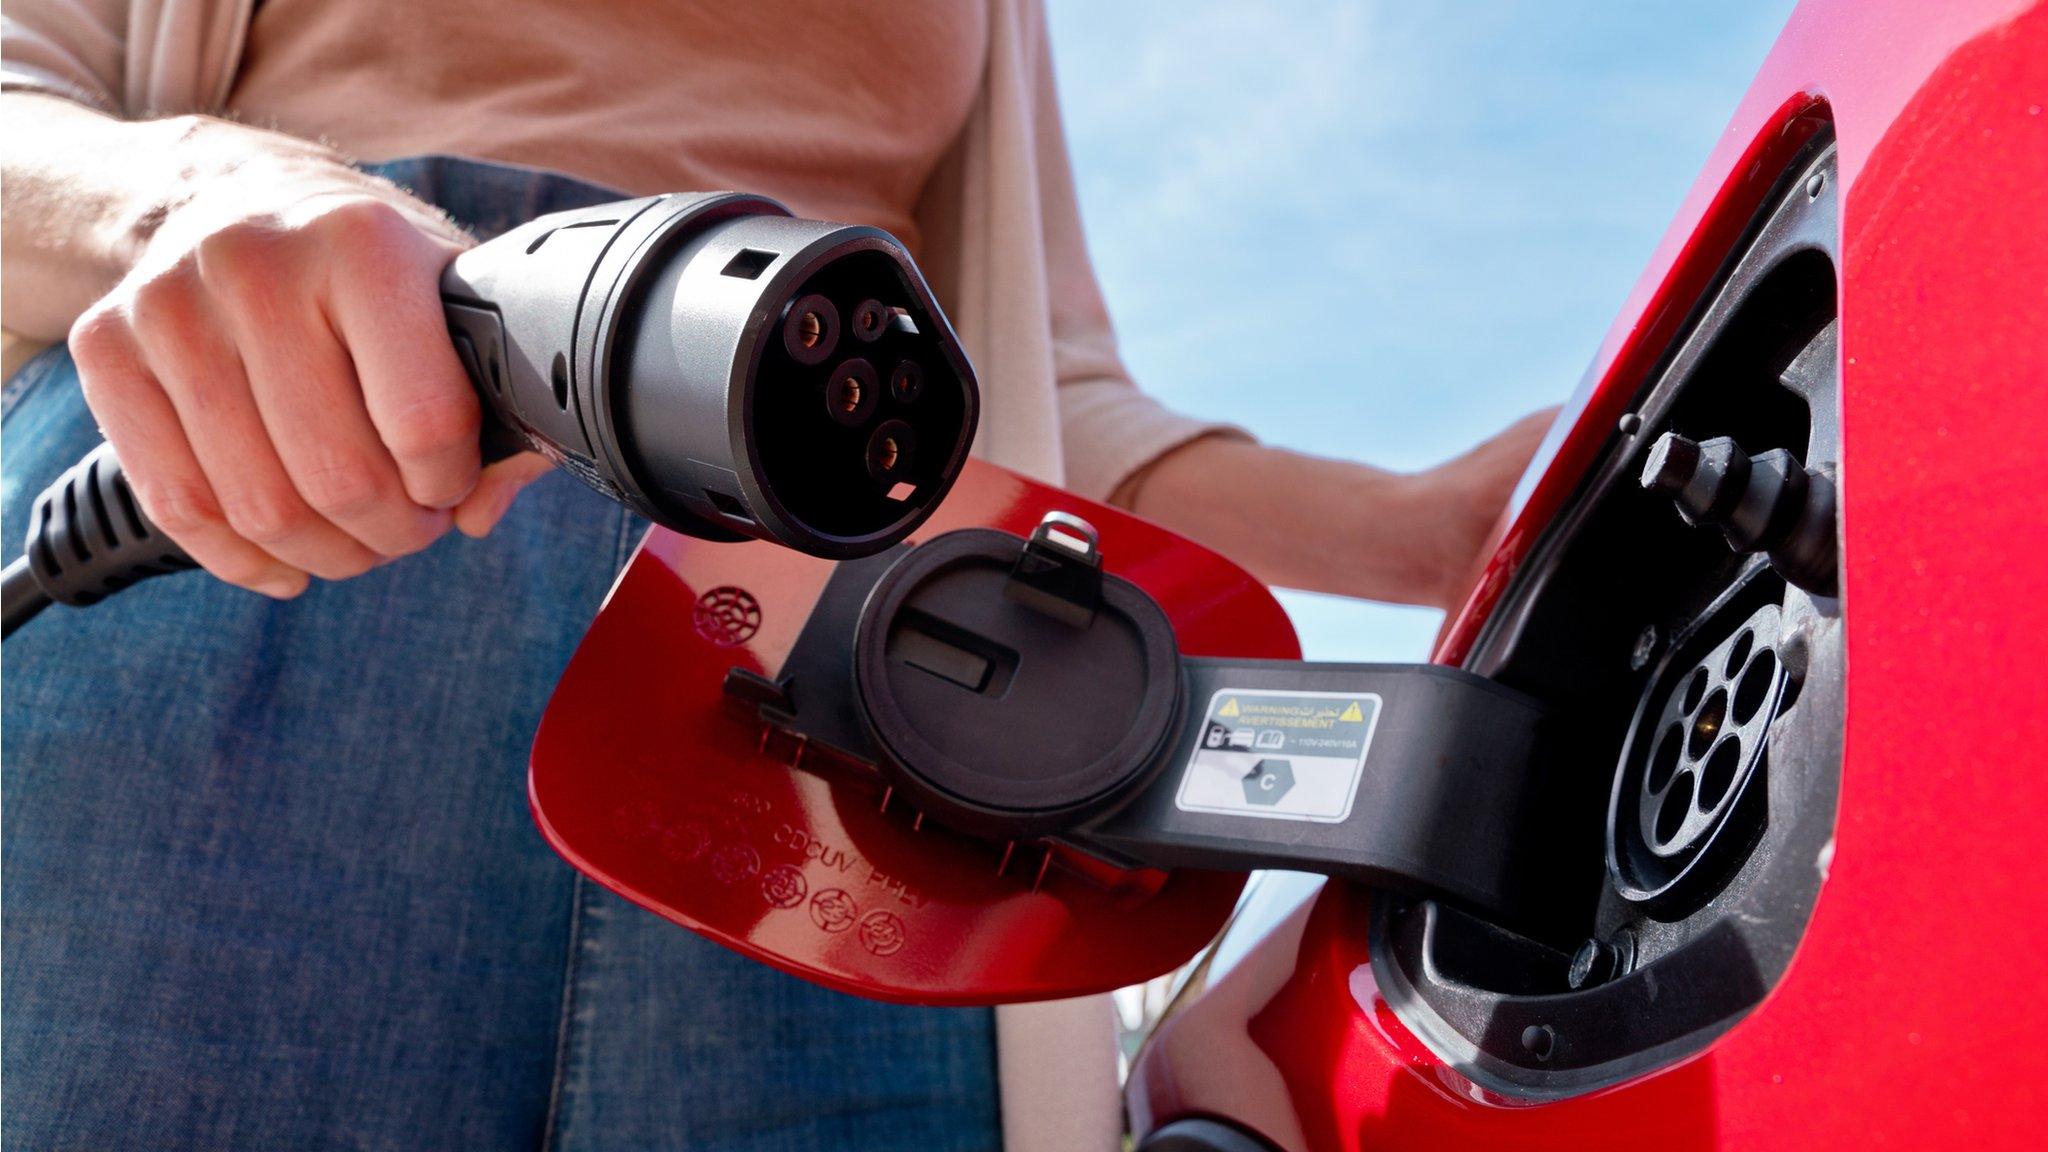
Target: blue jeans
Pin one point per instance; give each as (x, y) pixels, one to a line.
(270, 882)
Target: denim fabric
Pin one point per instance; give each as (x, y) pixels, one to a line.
(270, 881)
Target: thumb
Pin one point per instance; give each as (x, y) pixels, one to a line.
(495, 490)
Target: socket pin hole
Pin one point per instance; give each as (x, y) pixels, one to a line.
(1719, 772)
(1754, 685)
(1707, 724)
(1695, 688)
(1739, 654)
(559, 377)
(906, 381)
(851, 393)
(870, 320)
(1676, 807)
(810, 329)
(1665, 760)
(890, 452)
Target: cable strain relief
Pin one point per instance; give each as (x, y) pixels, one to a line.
(88, 537)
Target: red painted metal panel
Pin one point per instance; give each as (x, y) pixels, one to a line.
(648, 780)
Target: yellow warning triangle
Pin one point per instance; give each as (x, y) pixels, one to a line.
(1230, 707)
(1352, 713)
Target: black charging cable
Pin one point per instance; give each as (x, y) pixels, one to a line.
(87, 539)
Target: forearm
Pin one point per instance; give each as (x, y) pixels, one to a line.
(1306, 522)
(1337, 526)
(84, 192)
(258, 331)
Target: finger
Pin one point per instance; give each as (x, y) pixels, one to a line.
(139, 420)
(202, 374)
(305, 391)
(496, 489)
(418, 396)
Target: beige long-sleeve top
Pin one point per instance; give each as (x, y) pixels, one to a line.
(935, 119)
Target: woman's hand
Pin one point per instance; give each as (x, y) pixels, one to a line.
(275, 372)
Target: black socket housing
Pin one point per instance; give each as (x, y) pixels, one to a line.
(674, 352)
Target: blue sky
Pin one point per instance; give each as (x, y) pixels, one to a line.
(1464, 191)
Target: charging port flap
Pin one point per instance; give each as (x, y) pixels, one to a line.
(1014, 691)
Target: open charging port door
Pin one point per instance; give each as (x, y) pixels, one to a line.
(1031, 756)
(1010, 689)
(652, 778)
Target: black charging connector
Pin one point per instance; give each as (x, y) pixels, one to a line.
(706, 359)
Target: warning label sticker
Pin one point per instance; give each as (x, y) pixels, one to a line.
(1280, 755)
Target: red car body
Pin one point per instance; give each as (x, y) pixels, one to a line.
(1880, 197)
(1912, 1013)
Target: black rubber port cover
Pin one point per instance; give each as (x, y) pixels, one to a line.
(1002, 719)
